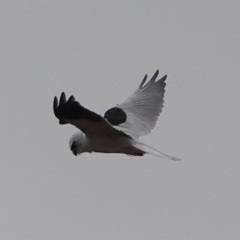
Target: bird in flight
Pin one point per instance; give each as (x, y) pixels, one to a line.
(118, 131)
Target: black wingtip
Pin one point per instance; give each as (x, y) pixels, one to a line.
(71, 99)
(55, 105)
(143, 81)
(62, 99)
(154, 76)
(163, 78)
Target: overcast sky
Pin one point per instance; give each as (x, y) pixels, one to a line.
(99, 51)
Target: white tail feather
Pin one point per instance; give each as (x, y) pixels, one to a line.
(150, 150)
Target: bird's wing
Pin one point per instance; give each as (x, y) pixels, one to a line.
(138, 114)
(71, 111)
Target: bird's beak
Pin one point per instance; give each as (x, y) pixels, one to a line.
(75, 153)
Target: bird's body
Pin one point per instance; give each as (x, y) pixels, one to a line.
(104, 144)
(118, 131)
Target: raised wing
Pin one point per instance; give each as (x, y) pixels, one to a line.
(71, 111)
(138, 114)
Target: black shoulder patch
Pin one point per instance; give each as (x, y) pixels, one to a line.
(115, 116)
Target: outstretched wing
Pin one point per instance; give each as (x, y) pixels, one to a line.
(138, 114)
(71, 111)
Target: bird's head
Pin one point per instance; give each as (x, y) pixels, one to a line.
(77, 143)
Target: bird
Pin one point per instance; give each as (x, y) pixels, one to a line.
(121, 126)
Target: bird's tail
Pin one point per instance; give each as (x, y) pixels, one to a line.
(147, 149)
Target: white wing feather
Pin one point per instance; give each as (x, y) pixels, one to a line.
(143, 107)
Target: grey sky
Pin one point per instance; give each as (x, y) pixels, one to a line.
(99, 51)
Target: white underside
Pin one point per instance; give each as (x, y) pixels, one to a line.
(109, 144)
(120, 144)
